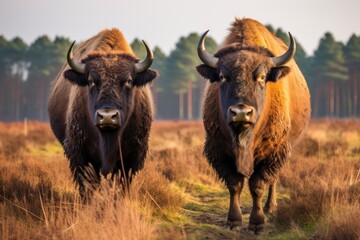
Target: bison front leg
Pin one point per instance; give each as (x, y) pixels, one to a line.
(88, 180)
(257, 188)
(235, 186)
(270, 205)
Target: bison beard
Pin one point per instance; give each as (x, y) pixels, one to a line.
(244, 153)
(110, 151)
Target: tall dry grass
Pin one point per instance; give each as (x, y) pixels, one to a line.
(319, 187)
(322, 181)
(38, 199)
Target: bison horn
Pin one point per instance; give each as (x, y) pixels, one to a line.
(206, 57)
(146, 63)
(287, 56)
(77, 67)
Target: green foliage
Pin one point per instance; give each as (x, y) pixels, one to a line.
(332, 73)
(352, 52)
(180, 72)
(330, 59)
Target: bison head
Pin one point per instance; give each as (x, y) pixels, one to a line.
(242, 73)
(111, 79)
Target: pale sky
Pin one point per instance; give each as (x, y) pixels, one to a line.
(162, 22)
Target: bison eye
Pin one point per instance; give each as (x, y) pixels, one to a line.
(261, 79)
(128, 83)
(222, 78)
(91, 84)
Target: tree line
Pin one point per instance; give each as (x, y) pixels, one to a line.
(26, 71)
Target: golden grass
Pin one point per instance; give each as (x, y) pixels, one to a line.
(177, 194)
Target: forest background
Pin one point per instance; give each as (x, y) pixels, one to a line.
(26, 71)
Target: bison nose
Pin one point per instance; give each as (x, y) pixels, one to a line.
(241, 114)
(107, 118)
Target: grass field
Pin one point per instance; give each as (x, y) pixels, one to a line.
(177, 194)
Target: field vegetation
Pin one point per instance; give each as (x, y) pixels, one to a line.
(177, 195)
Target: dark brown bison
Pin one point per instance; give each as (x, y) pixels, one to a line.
(255, 106)
(101, 108)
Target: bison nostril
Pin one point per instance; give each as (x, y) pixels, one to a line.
(233, 111)
(115, 116)
(101, 117)
(249, 113)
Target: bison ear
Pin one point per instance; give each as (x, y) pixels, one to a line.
(144, 77)
(277, 72)
(208, 72)
(76, 78)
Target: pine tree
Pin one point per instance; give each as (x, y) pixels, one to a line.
(352, 57)
(330, 70)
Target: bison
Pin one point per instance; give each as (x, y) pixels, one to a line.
(100, 109)
(256, 104)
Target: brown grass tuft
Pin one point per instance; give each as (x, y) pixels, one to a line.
(156, 189)
(342, 224)
(319, 185)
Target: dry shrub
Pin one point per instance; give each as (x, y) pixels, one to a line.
(155, 188)
(113, 215)
(14, 140)
(108, 216)
(177, 165)
(40, 136)
(314, 188)
(177, 151)
(319, 185)
(307, 147)
(37, 211)
(354, 193)
(344, 225)
(335, 148)
(38, 199)
(11, 146)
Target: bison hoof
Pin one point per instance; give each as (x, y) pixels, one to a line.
(270, 209)
(234, 225)
(257, 229)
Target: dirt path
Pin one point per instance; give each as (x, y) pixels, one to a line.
(207, 211)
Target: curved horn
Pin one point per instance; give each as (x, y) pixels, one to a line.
(77, 67)
(146, 63)
(288, 55)
(206, 57)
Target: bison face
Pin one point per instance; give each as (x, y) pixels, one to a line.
(111, 80)
(242, 73)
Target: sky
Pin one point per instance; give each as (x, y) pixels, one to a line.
(162, 22)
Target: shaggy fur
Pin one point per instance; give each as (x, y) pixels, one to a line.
(282, 108)
(109, 82)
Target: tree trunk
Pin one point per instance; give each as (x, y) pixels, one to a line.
(202, 86)
(17, 97)
(181, 105)
(189, 100)
(337, 89)
(356, 96)
(331, 97)
(40, 99)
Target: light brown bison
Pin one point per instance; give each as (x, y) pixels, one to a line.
(101, 108)
(256, 105)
